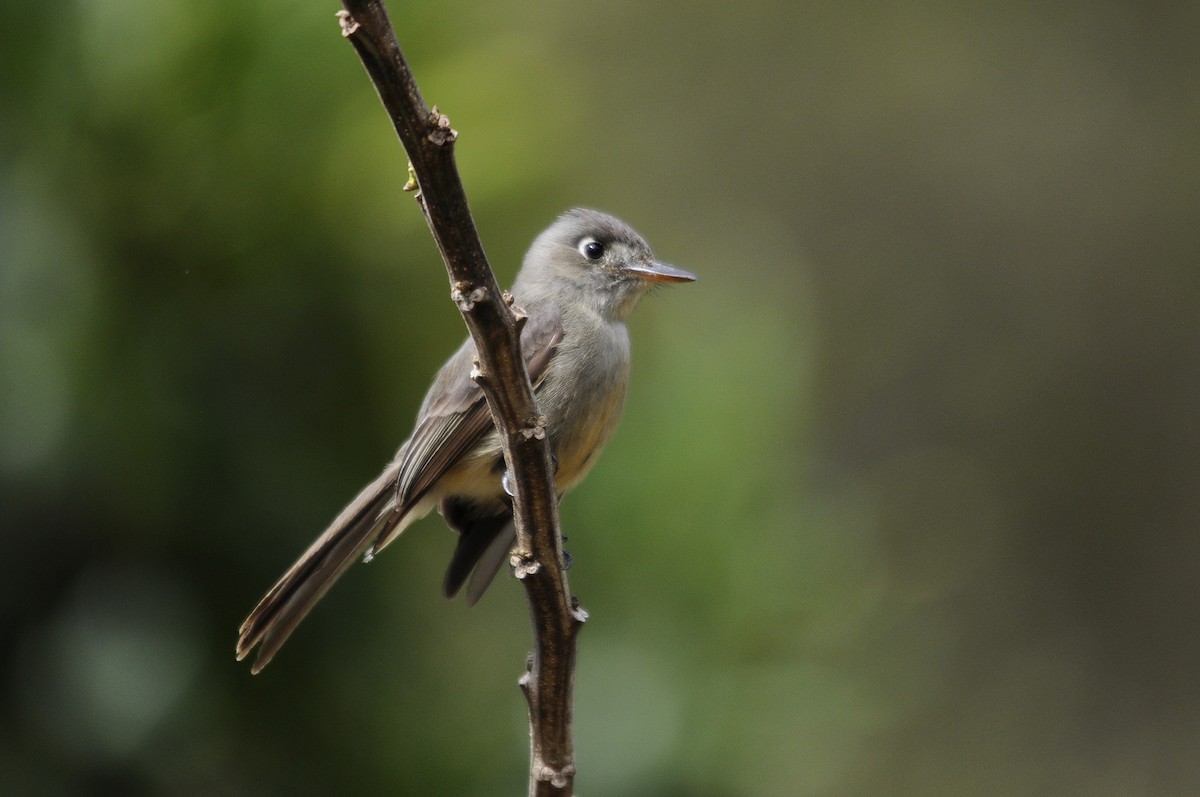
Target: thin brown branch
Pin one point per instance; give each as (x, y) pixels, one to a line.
(538, 560)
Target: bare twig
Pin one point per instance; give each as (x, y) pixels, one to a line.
(538, 560)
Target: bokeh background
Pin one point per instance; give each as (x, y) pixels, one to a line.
(907, 492)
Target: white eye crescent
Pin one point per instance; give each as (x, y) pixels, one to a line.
(591, 249)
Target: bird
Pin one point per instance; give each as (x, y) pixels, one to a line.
(577, 285)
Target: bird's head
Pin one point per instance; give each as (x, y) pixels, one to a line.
(589, 256)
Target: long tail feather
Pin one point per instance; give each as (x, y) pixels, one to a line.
(351, 532)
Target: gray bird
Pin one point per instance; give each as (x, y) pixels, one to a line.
(580, 280)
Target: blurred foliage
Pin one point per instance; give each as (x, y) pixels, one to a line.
(906, 496)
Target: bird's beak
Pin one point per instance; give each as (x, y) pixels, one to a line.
(660, 272)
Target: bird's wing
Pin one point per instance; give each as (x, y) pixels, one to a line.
(455, 414)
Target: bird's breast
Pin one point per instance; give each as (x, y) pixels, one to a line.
(582, 396)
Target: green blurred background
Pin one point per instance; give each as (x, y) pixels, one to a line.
(907, 492)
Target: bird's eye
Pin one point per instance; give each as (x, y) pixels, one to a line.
(591, 249)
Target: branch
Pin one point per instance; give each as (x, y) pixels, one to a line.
(538, 560)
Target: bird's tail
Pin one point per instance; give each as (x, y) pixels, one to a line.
(371, 513)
